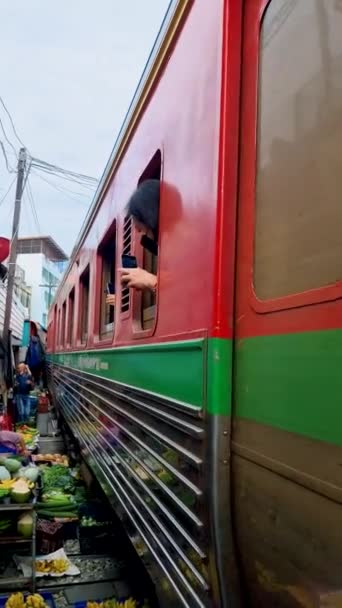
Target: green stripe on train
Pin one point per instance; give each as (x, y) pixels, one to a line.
(175, 370)
(293, 382)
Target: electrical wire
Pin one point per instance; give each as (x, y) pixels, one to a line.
(7, 139)
(70, 174)
(68, 193)
(61, 189)
(7, 191)
(33, 206)
(12, 122)
(8, 167)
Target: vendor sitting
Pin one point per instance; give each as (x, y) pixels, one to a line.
(12, 442)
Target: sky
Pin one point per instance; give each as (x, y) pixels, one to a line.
(68, 72)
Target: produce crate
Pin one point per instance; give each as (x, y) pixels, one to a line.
(48, 598)
(49, 536)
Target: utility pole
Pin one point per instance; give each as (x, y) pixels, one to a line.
(14, 242)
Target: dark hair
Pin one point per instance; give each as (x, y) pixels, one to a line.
(144, 204)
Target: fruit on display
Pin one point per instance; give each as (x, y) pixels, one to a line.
(3, 492)
(53, 566)
(35, 601)
(53, 458)
(25, 525)
(20, 492)
(17, 600)
(12, 465)
(4, 474)
(29, 434)
(130, 603)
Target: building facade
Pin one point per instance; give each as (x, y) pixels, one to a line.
(43, 262)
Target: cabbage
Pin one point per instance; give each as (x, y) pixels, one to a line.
(4, 474)
(25, 525)
(31, 473)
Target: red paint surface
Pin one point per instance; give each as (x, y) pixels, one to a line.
(182, 119)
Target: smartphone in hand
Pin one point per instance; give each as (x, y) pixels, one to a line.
(129, 261)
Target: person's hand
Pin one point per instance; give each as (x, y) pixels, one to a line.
(110, 299)
(138, 278)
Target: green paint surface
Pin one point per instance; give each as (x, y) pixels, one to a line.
(175, 370)
(219, 387)
(293, 382)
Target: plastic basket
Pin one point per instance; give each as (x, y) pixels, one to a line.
(48, 598)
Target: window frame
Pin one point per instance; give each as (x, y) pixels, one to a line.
(156, 160)
(63, 322)
(105, 337)
(71, 328)
(80, 340)
(251, 62)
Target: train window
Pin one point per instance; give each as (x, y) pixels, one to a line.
(126, 250)
(150, 260)
(63, 322)
(58, 331)
(84, 305)
(298, 237)
(71, 314)
(106, 254)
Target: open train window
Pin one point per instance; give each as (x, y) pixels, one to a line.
(71, 313)
(150, 260)
(106, 255)
(62, 328)
(84, 305)
(126, 250)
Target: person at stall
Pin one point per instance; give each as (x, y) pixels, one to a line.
(13, 442)
(23, 386)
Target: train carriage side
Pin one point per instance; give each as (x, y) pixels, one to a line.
(287, 434)
(146, 389)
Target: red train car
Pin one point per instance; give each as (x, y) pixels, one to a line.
(211, 413)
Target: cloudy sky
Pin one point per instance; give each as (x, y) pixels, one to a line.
(68, 71)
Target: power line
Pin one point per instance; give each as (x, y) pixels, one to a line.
(44, 166)
(12, 122)
(33, 206)
(62, 190)
(7, 191)
(7, 139)
(8, 167)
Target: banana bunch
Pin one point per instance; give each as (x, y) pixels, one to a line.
(16, 600)
(7, 483)
(35, 601)
(55, 565)
(130, 603)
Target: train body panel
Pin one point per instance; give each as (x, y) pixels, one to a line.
(212, 417)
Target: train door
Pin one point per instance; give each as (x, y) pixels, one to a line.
(287, 437)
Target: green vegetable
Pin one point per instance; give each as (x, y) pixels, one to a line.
(58, 476)
(4, 474)
(51, 514)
